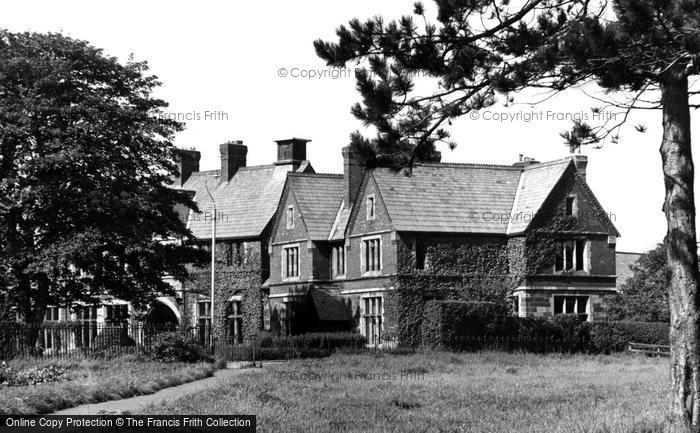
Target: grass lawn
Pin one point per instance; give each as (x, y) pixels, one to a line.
(94, 380)
(483, 392)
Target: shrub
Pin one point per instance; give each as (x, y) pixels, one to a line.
(607, 337)
(113, 337)
(32, 376)
(176, 347)
(311, 345)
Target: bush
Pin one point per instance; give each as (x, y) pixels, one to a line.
(311, 345)
(31, 376)
(114, 337)
(176, 347)
(456, 325)
(608, 337)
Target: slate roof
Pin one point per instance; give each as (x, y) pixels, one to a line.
(244, 205)
(329, 304)
(318, 196)
(340, 223)
(536, 183)
(623, 261)
(449, 197)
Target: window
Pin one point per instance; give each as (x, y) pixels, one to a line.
(290, 262)
(571, 205)
(86, 316)
(290, 217)
(516, 304)
(372, 315)
(571, 255)
(572, 305)
(372, 255)
(116, 314)
(370, 207)
(338, 260)
(204, 320)
(421, 251)
(52, 314)
(234, 315)
(51, 337)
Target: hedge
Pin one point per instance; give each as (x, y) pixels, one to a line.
(310, 345)
(457, 325)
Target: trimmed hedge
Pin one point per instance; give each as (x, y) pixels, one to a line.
(311, 345)
(610, 337)
(456, 325)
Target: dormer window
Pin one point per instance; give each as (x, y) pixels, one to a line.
(290, 217)
(370, 207)
(571, 205)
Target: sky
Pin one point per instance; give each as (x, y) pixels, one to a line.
(248, 71)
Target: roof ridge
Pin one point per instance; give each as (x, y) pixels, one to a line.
(469, 164)
(296, 174)
(567, 159)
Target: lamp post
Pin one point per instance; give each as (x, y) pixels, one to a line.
(213, 266)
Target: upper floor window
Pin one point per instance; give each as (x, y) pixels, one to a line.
(370, 207)
(571, 209)
(571, 255)
(338, 260)
(290, 217)
(572, 305)
(372, 254)
(290, 262)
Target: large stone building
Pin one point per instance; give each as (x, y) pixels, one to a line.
(298, 251)
(533, 231)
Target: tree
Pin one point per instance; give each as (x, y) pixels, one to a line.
(645, 50)
(644, 296)
(85, 163)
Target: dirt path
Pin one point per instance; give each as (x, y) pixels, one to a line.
(164, 395)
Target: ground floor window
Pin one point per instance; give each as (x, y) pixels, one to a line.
(86, 316)
(204, 320)
(234, 317)
(572, 305)
(372, 315)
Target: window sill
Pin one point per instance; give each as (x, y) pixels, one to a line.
(339, 277)
(290, 279)
(372, 273)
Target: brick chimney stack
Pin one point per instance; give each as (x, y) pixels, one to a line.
(352, 175)
(233, 157)
(291, 151)
(581, 162)
(188, 163)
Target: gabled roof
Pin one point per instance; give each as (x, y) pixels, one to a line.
(329, 304)
(454, 198)
(318, 196)
(244, 205)
(536, 183)
(340, 223)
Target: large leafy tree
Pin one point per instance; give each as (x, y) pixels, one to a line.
(85, 163)
(644, 296)
(643, 50)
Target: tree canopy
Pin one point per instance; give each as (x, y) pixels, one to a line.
(644, 296)
(85, 167)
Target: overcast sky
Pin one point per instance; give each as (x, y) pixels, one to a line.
(245, 71)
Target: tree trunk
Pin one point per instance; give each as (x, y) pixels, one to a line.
(681, 250)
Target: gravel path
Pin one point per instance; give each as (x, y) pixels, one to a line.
(133, 404)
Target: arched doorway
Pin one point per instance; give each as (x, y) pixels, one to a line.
(161, 316)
